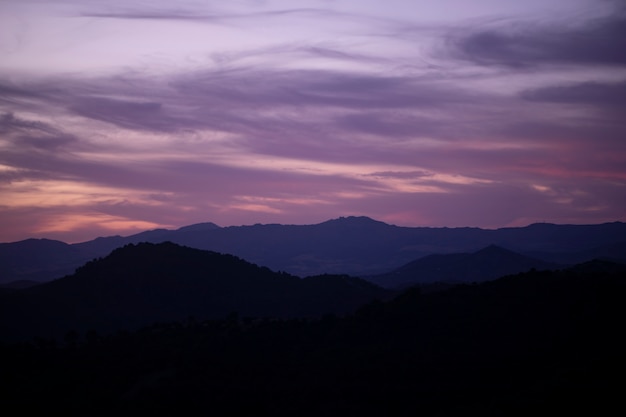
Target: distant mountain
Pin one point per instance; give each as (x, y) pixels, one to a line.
(141, 284)
(38, 260)
(487, 264)
(612, 252)
(348, 245)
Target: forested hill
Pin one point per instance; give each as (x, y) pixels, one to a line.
(145, 283)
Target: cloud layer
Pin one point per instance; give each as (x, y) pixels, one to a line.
(481, 122)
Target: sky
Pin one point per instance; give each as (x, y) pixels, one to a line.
(123, 116)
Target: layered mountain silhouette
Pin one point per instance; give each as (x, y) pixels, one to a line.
(486, 264)
(350, 245)
(145, 283)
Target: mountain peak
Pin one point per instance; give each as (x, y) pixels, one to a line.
(198, 227)
(355, 220)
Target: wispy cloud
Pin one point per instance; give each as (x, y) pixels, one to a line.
(192, 14)
(605, 95)
(599, 41)
(514, 122)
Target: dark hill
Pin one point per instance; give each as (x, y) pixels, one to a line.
(140, 284)
(487, 264)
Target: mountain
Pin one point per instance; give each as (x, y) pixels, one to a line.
(38, 260)
(145, 283)
(347, 245)
(486, 264)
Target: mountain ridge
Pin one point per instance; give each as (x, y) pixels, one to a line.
(346, 245)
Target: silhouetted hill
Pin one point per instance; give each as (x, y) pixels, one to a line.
(141, 284)
(349, 245)
(535, 343)
(487, 264)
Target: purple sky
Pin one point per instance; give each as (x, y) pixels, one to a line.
(121, 116)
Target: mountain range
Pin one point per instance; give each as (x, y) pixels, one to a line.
(163, 329)
(348, 245)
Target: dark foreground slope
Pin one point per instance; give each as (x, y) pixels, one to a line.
(539, 343)
(146, 283)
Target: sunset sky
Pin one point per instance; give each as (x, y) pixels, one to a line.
(122, 116)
